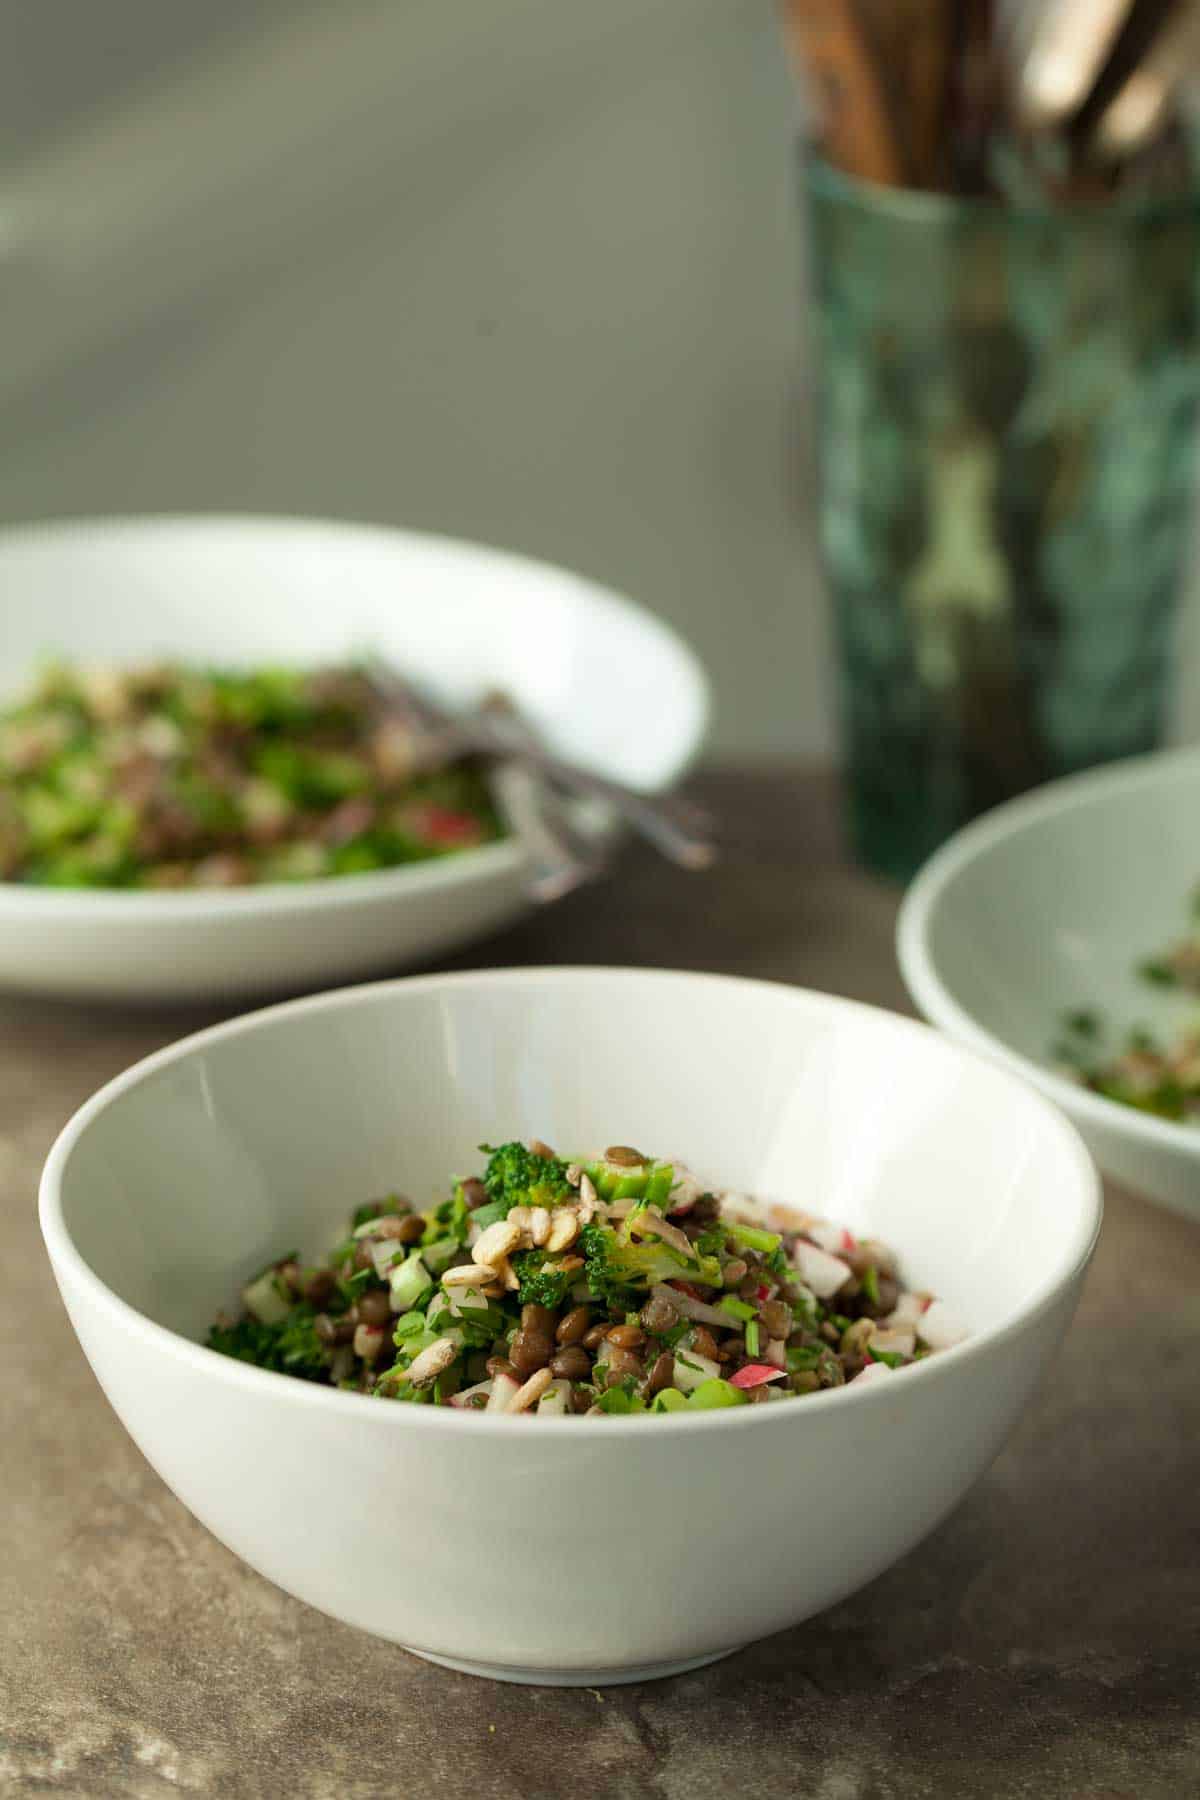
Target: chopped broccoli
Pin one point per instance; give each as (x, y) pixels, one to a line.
(290, 1347)
(614, 1264)
(543, 1282)
(651, 1181)
(516, 1176)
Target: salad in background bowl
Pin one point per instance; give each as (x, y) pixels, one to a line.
(110, 912)
(1050, 935)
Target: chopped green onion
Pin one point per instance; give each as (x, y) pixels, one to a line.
(870, 1284)
(752, 1338)
(737, 1309)
(669, 1400)
(752, 1237)
(715, 1393)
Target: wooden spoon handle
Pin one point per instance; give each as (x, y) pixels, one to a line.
(832, 55)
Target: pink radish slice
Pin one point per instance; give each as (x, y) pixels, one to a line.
(823, 1273)
(504, 1390)
(756, 1375)
(872, 1372)
(466, 1395)
(907, 1310)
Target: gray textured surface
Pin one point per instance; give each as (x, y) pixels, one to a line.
(1046, 1641)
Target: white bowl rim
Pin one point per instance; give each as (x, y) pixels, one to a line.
(938, 1004)
(436, 873)
(159, 1338)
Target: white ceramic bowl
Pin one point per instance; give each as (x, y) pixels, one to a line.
(1048, 904)
(606, 683)
(563, 1550)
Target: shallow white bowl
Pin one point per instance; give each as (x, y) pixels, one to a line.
(603, 680)
(563, 1550)
(1048, 904)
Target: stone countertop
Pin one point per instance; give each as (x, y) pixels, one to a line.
(1045, 1641)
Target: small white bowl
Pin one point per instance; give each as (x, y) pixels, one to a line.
(563, 1550)
(1048, 904)
(605, 682)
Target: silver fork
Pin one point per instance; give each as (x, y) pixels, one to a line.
(677, 829)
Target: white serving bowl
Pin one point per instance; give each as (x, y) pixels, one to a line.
(1048, 904)
(563, 1550)
(603, 680)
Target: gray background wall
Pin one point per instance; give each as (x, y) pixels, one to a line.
(525, 270)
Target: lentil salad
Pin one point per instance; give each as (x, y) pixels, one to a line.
(1153, 1071)
(615, 1284)
(169, 776)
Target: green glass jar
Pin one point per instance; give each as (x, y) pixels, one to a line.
(1006, 428)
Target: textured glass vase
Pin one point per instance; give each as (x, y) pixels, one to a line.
(1006, 428)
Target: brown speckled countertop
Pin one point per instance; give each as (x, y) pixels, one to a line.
(1044, 1642)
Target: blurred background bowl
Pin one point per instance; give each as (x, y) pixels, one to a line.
(564, 1550)
(603, 681)
(1048, 905)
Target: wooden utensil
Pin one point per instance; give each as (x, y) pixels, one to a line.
(856, 125)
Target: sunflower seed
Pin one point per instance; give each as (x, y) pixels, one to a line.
(430, 1363)
(496, 1242)
(531, 1392)
(564, 1229)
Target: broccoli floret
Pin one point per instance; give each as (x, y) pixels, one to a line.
(291, 1347)
(516, 1176)
(614, 1263)
(543, 1283)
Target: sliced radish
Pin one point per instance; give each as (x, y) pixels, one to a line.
(464, 1300)
(384, 1253)
(872, 1372)
(824, 1233)
(466, 1395)
(776, 1353)
(849, 1241)
(939, 1327)
(504, 1392)
(555, 1398)
(907, 1310)
(691, 1370)
(823, 1273)
(899, 1341)
(753, 1375)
